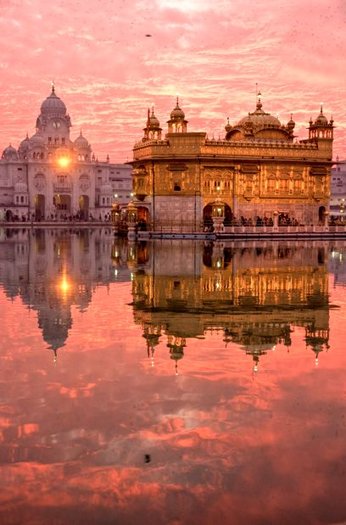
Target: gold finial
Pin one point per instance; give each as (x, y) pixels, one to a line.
(257, 93)
(53, 87)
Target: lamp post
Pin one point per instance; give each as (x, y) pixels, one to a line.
(131, 221)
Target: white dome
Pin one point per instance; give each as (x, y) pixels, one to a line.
(10, 153)
(37, 141)
(81, 142)
(53, 105)
(24, 145)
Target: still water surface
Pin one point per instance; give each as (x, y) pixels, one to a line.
(171, 382)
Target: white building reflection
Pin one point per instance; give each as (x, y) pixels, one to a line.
(51, 270)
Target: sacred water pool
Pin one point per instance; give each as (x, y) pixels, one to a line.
(171, 382)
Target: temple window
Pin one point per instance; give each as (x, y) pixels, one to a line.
(284, 184)
(271, 184)
(297, 185)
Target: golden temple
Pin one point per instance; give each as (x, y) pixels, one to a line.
(259, 171)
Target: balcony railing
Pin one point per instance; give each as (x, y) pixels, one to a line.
(62, 188)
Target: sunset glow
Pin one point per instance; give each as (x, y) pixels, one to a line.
(110, 61)
(64, 286)
(64, 162)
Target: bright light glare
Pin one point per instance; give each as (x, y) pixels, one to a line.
(64, 285)
(64, 162)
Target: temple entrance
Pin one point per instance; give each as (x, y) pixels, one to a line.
(142, 218)
(40, 204)
(84, 207)
(62, 205)
(321, 213)
(208, 215)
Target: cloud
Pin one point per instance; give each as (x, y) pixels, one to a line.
(200, 50)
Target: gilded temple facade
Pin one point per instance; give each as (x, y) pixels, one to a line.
(256, 172)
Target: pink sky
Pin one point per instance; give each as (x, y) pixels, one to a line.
(210, 53)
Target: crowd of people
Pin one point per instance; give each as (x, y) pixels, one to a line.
(283, 220)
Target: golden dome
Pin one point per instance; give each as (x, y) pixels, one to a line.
(153, 121)
(321, 119)
(259, 119)
(177, 113)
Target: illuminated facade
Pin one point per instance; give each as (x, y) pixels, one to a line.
(259, 170)
(52, 177)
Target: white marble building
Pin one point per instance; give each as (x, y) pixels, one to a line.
(337, 204)
(51, 176)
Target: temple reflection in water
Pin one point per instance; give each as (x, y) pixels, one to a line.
(52, 270)
(252, 295)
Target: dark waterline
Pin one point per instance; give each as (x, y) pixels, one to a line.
(171, 382)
